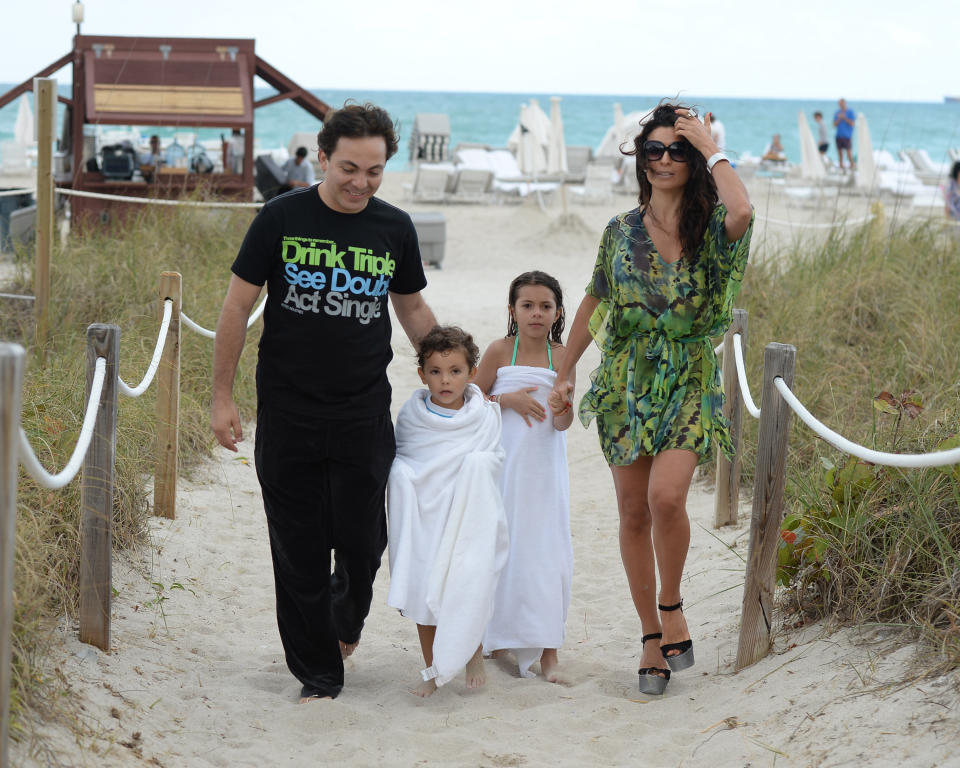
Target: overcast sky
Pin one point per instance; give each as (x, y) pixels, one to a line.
(861, 49)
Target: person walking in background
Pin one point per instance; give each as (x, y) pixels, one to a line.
(718, 133)
(843, 121)
(663, 285)
(823, 140)
(329, 255)
(951, 193)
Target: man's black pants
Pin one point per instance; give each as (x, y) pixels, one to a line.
(323, 489)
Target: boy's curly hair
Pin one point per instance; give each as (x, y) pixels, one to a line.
(444, 338)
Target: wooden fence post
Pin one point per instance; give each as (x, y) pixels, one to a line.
(727, 499)
(768, 484)
(46, 95)
(168, 404)
(11, 392)
(96, 493)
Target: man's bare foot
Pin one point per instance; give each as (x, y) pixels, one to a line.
(550, 667)
(475, 675)
(425, 689)
(306, 699)
(347, 649)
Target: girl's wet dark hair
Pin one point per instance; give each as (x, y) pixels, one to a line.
(446, 338)
(955, 171)
(536, 277)
(700, 192)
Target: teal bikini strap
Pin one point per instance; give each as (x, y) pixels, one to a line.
(516, 346)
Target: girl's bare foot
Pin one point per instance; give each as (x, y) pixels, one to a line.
(347, 649)
(425, 689)
(475, 675)
(550, 666)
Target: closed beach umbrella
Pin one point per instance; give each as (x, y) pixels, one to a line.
(811, 166)
(531, 152)
(557, 148)
(866, 164)
(23, 128)
(624, 130)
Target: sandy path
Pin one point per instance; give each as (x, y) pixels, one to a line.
(198, 678)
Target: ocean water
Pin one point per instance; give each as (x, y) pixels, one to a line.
(489, 118)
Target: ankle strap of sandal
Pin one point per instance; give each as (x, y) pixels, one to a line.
(671, 607)
(651, 636)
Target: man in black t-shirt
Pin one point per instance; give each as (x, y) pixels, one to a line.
(329, 255)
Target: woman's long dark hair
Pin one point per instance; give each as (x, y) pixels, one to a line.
(536, 277)
(700, 192)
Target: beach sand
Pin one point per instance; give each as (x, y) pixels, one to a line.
(195, 675)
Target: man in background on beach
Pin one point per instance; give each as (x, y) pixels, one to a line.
(329, 255)
(299, 171)
(718, 132)
(843, 120)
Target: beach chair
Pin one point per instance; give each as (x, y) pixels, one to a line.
(596, 187)
(472, 186)
(923, 166)
(430, 183)
(577, 160)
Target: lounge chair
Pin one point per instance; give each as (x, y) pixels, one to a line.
(596, 187)
(923, 166)
(577, 160)
(509, 181)
(472, 186)
(431, 183)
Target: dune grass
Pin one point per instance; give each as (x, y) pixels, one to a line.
(108, 276)
(869, 313)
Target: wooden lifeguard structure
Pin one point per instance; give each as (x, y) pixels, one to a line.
(162, 81)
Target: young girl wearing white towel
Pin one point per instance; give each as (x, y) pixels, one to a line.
(533, 595)
(447, 529)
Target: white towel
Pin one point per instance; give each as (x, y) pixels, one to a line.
(447, 529)
(533, 595)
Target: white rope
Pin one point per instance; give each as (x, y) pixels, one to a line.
(815, 225)
(936, 459)
(157, 353)
(13, 192)
(154, 200)
(29, 459)
(742, 376)
(213, 334)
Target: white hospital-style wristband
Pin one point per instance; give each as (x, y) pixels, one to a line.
(715, 158)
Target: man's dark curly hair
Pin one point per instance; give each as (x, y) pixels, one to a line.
(445, 338)
(357, 121)
(700, 192)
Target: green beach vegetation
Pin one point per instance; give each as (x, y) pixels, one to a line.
(867, 314)
(875, 322)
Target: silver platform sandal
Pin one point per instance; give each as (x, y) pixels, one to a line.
(650, 680)
(684, 659)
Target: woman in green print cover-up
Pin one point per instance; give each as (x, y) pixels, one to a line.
(664, 283)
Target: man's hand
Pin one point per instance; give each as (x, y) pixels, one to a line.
(225, 421)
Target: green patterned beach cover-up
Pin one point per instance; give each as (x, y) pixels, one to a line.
(658, 385)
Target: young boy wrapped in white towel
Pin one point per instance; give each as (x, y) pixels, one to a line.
(447, 527)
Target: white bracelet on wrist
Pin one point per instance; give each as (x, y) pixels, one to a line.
(715, 158)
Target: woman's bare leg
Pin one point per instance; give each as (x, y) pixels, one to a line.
(427, 634)
(669, 483)
(636, 550)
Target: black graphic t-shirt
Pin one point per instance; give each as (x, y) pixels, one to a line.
(326, 338)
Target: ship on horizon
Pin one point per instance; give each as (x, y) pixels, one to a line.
(951, 99)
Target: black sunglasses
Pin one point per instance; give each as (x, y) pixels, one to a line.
(653, 150)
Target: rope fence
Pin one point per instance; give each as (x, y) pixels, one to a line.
(778, 403)
(15, 192)
(155, 200)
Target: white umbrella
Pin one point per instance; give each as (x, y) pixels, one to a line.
(23, 128)
(866, 165)
(811, 166)
(624, 129)
(556, 149)
(526, 142)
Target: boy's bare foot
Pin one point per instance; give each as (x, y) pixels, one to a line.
(550, 667)
(347, 649)
(475, 675)
(306, 699)
(425, 689)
